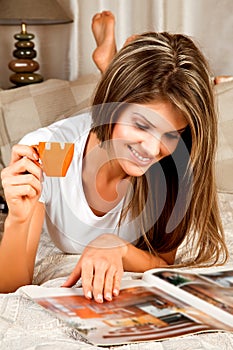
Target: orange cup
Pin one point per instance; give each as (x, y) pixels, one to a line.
(55, 157)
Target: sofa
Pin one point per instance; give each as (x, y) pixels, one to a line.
(27, 108)
(23, 324)
(33, 106)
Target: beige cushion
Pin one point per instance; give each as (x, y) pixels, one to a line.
(27, 108)
(224, 162)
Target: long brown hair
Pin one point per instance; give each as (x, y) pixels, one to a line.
(169, 67)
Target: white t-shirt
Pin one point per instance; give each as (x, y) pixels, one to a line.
(69, 219)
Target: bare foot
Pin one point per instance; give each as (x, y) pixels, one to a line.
(103, 28)
(129, 39)
(222, 79)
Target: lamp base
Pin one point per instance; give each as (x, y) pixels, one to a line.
(24, 65)
(21, 79)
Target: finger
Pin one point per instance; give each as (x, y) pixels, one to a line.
(87, 279)
(101, 269)
(24, 179)
(109, 281)
(24, 166)
(19, 151)
(74, 277)
(21, 191)
(117, 282)
(22, 184)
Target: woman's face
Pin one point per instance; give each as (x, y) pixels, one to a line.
(146, 133)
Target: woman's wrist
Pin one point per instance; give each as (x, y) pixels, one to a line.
(138, 260)
(16, 223)
(110, 241)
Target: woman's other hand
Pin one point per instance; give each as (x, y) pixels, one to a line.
(101, 268)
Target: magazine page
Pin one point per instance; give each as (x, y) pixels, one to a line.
(210, 292)
(223, 278)
(139, 313)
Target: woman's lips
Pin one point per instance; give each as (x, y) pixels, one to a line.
(139, 158)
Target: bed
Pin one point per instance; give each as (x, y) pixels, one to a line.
(24, 325)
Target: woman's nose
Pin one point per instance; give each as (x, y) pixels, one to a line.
(152, 145)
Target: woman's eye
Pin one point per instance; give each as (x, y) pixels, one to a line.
(141, 126)
(173, 136)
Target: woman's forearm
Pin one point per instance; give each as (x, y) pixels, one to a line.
(15, 269)
(137, 260)
(22, 186)
(18, 249)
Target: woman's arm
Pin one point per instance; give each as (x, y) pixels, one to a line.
(22, 187)
(137, 260)
(103, 262)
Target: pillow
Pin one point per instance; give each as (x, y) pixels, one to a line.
(224, 161)
(30, 107)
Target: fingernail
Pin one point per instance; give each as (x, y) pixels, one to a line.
(35, 155)
(99, 298)
(108, 296)
(89, 295)
(116, 292)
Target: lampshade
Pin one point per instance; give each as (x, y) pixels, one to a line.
(23, 13)
(14, 12)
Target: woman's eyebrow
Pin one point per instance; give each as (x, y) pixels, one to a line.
(145, 119)
(168, 132)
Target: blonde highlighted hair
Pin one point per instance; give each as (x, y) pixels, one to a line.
(169, 67)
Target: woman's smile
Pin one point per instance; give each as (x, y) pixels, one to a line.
(139, 157)
(144, 134)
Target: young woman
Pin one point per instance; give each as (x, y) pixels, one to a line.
(141, 179)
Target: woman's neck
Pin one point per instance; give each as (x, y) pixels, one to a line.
(97, 160)
(104, 182)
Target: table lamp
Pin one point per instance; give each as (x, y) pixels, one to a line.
(23, 13)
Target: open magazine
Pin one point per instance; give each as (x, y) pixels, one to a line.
(165, 303)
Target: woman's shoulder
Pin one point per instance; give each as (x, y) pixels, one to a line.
(64, 130)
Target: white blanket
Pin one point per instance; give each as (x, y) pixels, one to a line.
(25, 325)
